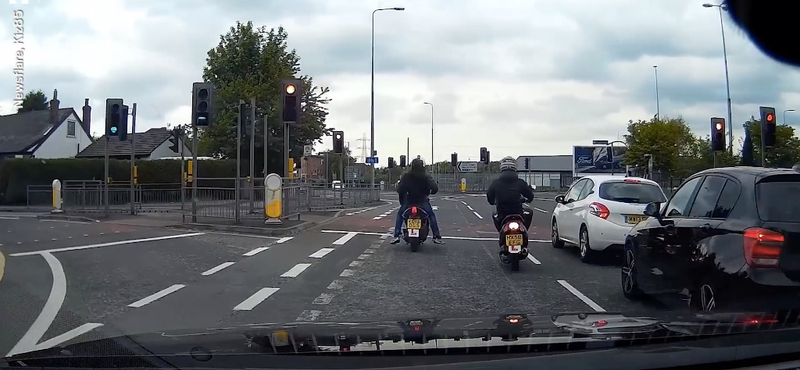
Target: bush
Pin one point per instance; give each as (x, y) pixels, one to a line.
(17, 174)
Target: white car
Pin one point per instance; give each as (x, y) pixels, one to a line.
(597, 212)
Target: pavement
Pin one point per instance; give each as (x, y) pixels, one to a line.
(67, 281)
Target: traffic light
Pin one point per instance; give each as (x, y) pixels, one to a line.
(390, 162)
(292, 91)
(174, 140)
(113, 117)
(202, 94)
(403, 161)
(527, 163)
(338, 142)
(769, 127)
(718, 134)
(483, 154)
(454, 159)
(123, 123)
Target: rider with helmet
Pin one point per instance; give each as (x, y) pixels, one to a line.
(507, 191)
(414, 188)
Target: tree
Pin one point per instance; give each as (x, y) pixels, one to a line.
(668, 140)
(787, 146)
(249, 63)
(34, 101)
(701, 157)
(747, 148)
(335, 163)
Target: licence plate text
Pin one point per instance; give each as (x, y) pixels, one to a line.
(634, 219)
(514, 240)
(414, 223)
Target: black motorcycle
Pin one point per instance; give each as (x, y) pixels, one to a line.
(416, 226)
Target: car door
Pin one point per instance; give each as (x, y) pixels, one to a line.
(580, 207)
(692, 233)
(656, 245)
(567, 225)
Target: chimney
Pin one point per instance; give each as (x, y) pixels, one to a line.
(54, 108)
(87, 116)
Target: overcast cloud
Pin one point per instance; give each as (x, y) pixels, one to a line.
(519, 77)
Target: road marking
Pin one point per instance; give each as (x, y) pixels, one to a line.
(346, 238)
(363, 256)
(242, 235)
(355, 264)
(321, 253)
(54, 302)
(308, 315)
(255, 299)
(478, 215)
(580, 296)
(324, 298)
(464, 203)
(335, 285)
(347, 272)
(102, 245)
(284, 239)
(296, 270)
(72, 334)
(435, 208)
(218, 268)
(156, 296)
(2, 264)
(255, 251)
(68, 222)
(470, 208)
(540, 210)
(8, 218)
(533, 259)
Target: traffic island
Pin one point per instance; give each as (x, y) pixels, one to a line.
(256, 226)
(65, 217)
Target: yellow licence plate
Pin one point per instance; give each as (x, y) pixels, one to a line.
(631, 219)
(514, 240)
(414, 223)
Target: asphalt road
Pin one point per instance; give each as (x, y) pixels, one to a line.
(65, 281)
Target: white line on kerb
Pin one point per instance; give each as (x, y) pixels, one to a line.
(580, 296)
(101, 245)
(54, 302)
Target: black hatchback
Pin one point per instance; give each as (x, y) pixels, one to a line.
(728, 239)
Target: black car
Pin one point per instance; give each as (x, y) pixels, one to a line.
(729, 238)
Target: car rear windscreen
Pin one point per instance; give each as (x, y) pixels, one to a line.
(631, 192)
(778, 198)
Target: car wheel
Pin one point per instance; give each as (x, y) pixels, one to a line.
(555, 239)
(586, 252)
(630, 286)
(706, 297)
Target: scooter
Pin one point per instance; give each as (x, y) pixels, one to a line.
(415, 227)
(514, 237)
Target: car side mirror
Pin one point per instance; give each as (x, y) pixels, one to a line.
(653, 209)
(559, 199)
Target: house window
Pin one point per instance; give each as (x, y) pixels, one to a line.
(70, 128)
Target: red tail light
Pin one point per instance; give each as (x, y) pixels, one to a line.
(633, 181)
(762, 247)
(600, 323)
(513, 227)
(413, 210)
(599, 210)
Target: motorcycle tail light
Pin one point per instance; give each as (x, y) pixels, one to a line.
(513, 225)
(414, 211)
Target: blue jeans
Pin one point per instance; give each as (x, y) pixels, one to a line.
(398, 222)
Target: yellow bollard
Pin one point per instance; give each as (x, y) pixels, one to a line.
(57, 200)
(272, 198)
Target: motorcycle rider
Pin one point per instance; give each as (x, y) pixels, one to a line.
(506, 191)
(414, 188)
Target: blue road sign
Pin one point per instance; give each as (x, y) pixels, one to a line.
(372, 160)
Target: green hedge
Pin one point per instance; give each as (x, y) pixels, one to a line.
(17, 174)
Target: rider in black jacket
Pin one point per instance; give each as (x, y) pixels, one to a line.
(507, 192)
(414, 188)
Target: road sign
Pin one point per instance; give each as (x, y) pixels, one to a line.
(467, 167)
(372, 160)
(308, 150)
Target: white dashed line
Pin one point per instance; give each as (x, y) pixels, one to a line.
(335, 285)
(478, 215)
(255, 251)
(581, 296)
(321, 253)
(154, 297)
(533, 259)
(296, 270)
(540, 210)
(355, 264)
(346, 238)
(324, 298)
(308, 315)
(218, 268)
(255, 299)
(347, 272)
(284, 240)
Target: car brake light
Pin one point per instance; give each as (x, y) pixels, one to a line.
(633, 181)
(413, 211)
(762, 247)
(600, 323)
(599, 210)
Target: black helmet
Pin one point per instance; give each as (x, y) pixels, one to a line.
(417, 165)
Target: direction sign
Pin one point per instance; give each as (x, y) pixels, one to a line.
(308, 150)
(372, 160)
(467, 166)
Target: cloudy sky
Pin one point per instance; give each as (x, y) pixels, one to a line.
(519, 77)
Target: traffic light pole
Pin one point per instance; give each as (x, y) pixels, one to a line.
(105, 178)
(236, 193)
(763, 146)
(195, 168)
(252, 153)
(133, 160)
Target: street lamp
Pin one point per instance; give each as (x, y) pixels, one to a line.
(784, 114)
(658, 103)
(372, 93)
(722, 7)
(432, 160)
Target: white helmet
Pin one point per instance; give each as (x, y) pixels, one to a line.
(508, 164)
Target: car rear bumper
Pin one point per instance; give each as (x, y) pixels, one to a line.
(605, 235)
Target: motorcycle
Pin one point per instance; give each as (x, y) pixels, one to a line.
(415, 227)
(514, 237)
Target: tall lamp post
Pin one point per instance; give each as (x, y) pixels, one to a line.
(722, 7)
(433, 161)
(372, 93)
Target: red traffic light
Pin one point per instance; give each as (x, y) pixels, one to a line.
(770, 117)
(719, 126)
(290, 89)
